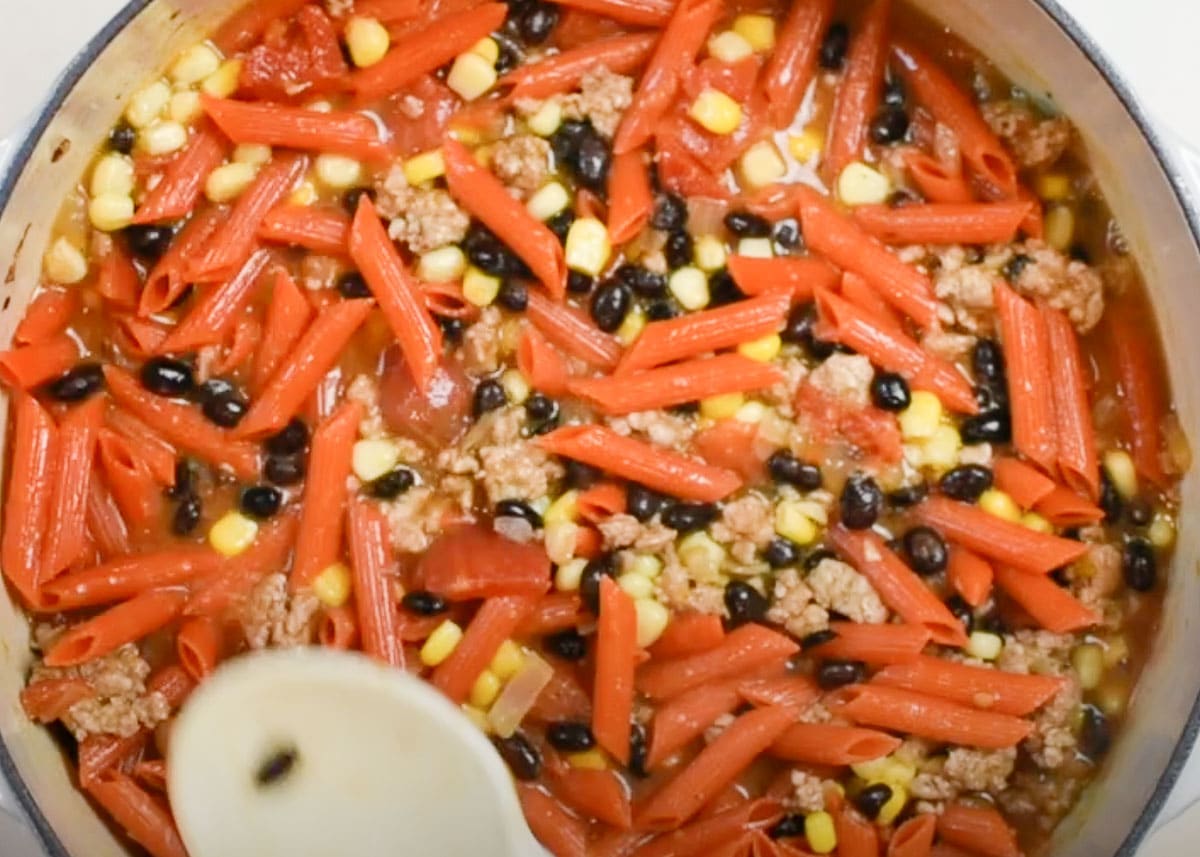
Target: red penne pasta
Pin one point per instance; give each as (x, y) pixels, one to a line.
(34, 466)
(66, 539)
(913, 838)
(1062, 507)
(130, 479)
(1077, 461)
(601, 795)
(1051, 606)
(168, 280)
(697, 838)
(1143, 393)
(338, 628)
(125, 623)
(336, 132)
(747, 648)
(572, 332)
(105, 525)
(684, 718)
(159, 455)
(322, 230)
(125, 577)
(630, 202)
(616, 659)
(445, 300)
(875, 645)
(689, 634)
(858, 94)
(182, 182)
(1027, 356)
(495, 622)
(555, 611)
(198, 647)
(1027, 485)
(287, 317)
(48, 699)
(216, 313)
(270, 553)
(371, 560)
(541, 364)
(563, 833)
(140, 815)
(798, 277)
(937, 181)
(47, 315)
(856, 291)
(945, 223)
(823, 744)
(564, 71)
(969, 574)
(642, 13)
(789, 691)
(990, 689)
(27, 366)
(601, 502)
(793, 62)
(928, 717)
(980, 830)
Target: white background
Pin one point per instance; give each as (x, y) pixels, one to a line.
(1154, 43)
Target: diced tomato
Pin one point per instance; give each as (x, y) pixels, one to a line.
(874, 432)
(563, 699)
(718, 151)
(437, 418)
(736, 446)
(681, 173)
(576, 28)
(300, 57)
(734, 79)
(473, 561)
(418, 116)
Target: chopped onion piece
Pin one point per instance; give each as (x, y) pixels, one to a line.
(519, 695)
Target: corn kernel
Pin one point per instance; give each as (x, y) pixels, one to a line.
(184, 107)
(332, 586)
(645, 564)
(477, 717)
(252, 153)
(701, 556)
(1119, 467)
(631, 328)
(563, 509)
(894, 806)
(64, 263)
(758, 30)
(806, 146)
(232, 534)
(690, 287)
(652, 620)
(709, 253)
(722, 407)
(941, 450)
(793, 524)
(485, 690)
(487, 48)
(471, 76)
(546, 120)
(373, 458)
(921, 418)
(338, 172)
(1088, 662)
(820, 832)
(163, 138)
(588, 247)
(729, 47)
(228, 181)
(516, 388)
(424, 167)
(751, 412)
(479, 288)
(761, 165)
(636, 586)
(756, 248)
(367, 40)
(195, 64)
(1036, 522)
(441, 643)
(716, 112)
(548, 200)
(764, 349)
(110, 211)
(996, 502)
(148, 104)
(813, 510)
(304, 194)
(507, 661)
(560, 542)
(1060, 227)
(1161, 532)
(886, 769)
(1116, 651)
(859, 184)
(589, 760)
(223, 82)
(984, 645)
(112, 174)
(1054, 187)
(443, 265)
(568, 575)
(1112, 696)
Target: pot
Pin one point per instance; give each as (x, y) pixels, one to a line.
(1033, 41)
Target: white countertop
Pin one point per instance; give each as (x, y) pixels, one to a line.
(1153, 42)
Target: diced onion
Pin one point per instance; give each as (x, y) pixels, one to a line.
(519, 695)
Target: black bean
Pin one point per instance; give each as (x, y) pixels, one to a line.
(1095, 734)
(871, 800)
(592, 161)
(909, 495)
(966, 482)
(642, 280)
(834, 45)
(861, 502)
(519, 509)
(786, 236)
(570, 736)
(799, 331)
(352, 285)
(817, 638)
(787, 468)
(926, 550)
(122, 138)
(536, 21)
(788, 827)
(638, 749)
(569, 645)
(167, 376)
(987, 360)
(890, 392)
(424, 603)
(1139, 565)
(277, 767)
(610, 305)
(261, 501)
(187, 516)
(291, 439)
(744, 603)
(723, 289)
(781, 552)
(354, 196)
(565, 141)
(452, 329)
(903, 197)
(991, 396)
(817, 557)
(579, 283)
(991, 427)
(184, 480)
(77, 384)
(689, 517)
(489, 254)
(744, 224)
(661, 310)
(1015, 266)
(643, 503)
(560, 224)
(225, 410)
(541, 408)
(510, 53)
(889, 126)
(962, 612)
(391, 485)
(893, 92)
(147, 240)
(522, 757)
(670, 213)
(1110, 500)
(284, 469)
(834, 674)
(589, 581)
(489, 395)
(513, 295)
(1139, 511)
(213, 388)
(580, 475)
(678, 249)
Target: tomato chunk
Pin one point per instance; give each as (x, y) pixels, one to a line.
(473, 561)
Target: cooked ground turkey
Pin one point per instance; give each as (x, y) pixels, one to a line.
(522, 162)
(421, 218)
(1034, 141)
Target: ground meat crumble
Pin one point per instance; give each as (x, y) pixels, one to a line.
(522, 162)
(839, 588)
(793, 606)
(421, 218)
(1034, 141)
(272, 617)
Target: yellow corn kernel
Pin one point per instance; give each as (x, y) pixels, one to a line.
(568, 575)
(163, 138)
(228, 181)
(1060, 227)
(729, 47)
(184, 107)
(820, 832)
(480, 288)
(1116, 651)
(1088, 662)
(546, 120)
(1054, 187)
(589, 760)
(761, 165)
(886, 769)
(984, 645)
(701, 556)
(631, 328)
(758, 30)
(443, 265)
(636, 586)
(1113, 695)
(764, 349)
(471, 76)
(709, 253)
(751, 412)
(690, 287)
(1161, 532)
(373, 458)
(1036, 522)
(477, 717)
(304, 194)
(812, 510)
(756, 248)
(507, 661)
(111, 211)
(793, 524)
(485, 690)
(252, 153)
(859, 184)
(516, 388)
(565, 507)
(487, 48)
(64, 263)
(223, 82)
(894, 806)
(588, 247)
(441, 643)
(548, 200)
(424, 167)
(806, 146)
(941, 450)
(652, 620)
(332, 586)
(996, 502)
(560, 541)
(1119, 467)
(715, 111)
(645, 564)
(338, 172)
(367, 40)
(232, 534)
(722, 407)
(195, 64)
(922, 416)
(112, 174)
(148, 104)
